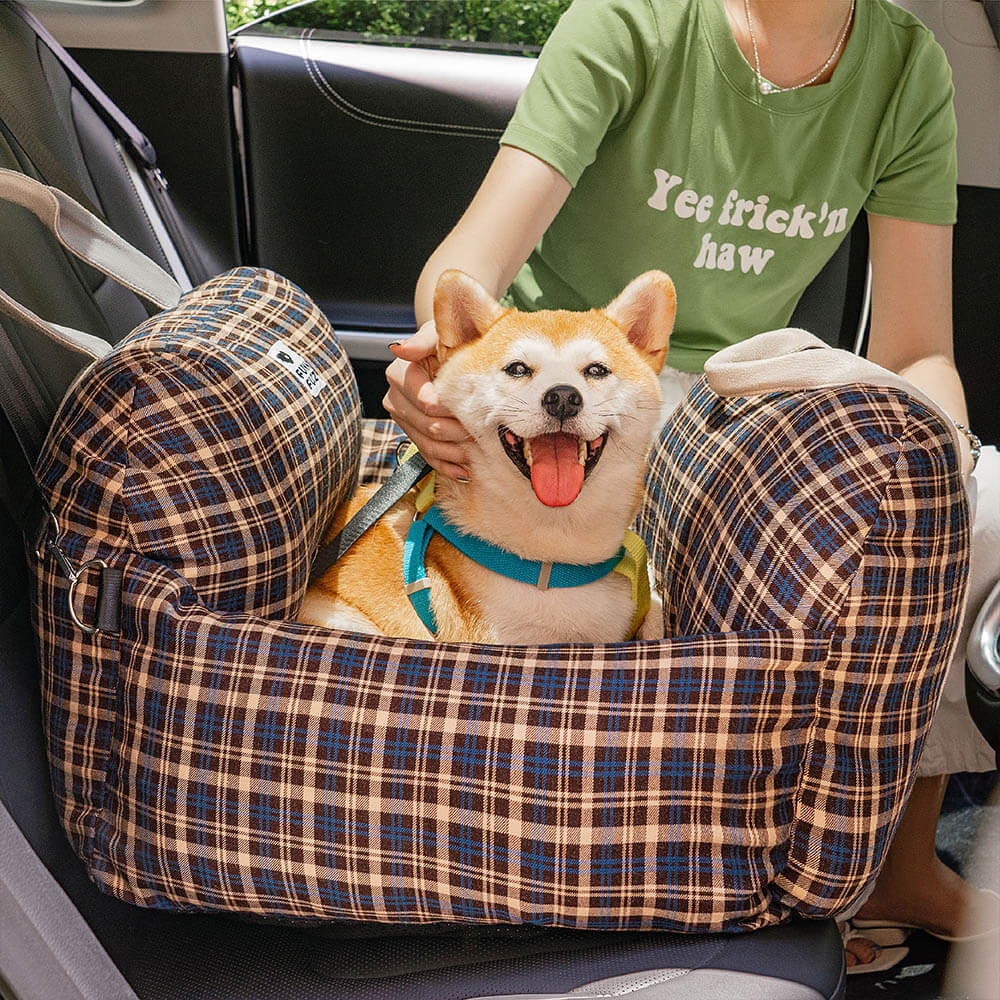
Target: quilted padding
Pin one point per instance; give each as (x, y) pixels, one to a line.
(812, 550)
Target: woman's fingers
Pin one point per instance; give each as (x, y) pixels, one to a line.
(422, 344)
(413, 403)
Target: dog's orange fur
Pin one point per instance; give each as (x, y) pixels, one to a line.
(369, 578)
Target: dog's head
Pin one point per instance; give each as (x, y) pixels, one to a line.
(554, 398)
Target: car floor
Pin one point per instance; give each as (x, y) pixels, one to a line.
(968, 840)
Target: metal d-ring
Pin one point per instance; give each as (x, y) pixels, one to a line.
(74, 579)
(72, 573)
(401, 448)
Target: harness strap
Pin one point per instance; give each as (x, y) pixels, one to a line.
(418, 586)
(633, 568)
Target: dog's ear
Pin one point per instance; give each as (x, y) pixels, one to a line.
(645, 312)
(463, 311)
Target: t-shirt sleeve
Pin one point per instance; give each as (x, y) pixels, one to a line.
(591, 72)
(918, 181)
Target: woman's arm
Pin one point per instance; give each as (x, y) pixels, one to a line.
(513, 207)
(911, 326)
(518, 198)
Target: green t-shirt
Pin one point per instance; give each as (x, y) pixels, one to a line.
(651, 111)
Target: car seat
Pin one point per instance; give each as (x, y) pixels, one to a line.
(64, 939)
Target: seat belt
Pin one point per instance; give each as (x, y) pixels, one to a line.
(408, 471)
(112, 116)
(135, 141)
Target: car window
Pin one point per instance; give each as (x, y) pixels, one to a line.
(519, 26)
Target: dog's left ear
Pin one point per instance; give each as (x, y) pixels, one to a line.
(645, 312)
(463, 311)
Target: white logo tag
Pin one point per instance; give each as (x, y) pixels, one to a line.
(298, 366)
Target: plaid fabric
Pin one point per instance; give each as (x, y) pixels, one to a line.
(854, 525)
(812, 549)
(191, 446)
(380, 440)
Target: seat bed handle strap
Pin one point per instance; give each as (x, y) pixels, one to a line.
(90, 240)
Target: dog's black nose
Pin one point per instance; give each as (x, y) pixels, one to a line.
(562, 402)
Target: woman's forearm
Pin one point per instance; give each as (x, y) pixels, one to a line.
(938, 377)
(513, 207)
(911, 329)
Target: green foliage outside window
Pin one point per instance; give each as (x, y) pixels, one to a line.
(517, 22)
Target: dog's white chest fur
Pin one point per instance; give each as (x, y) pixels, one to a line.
(520, 613)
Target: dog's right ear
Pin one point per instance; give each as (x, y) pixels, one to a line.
(463, 311)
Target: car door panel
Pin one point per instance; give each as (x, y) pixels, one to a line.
(360, 158)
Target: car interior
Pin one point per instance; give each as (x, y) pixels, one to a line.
(341, 164)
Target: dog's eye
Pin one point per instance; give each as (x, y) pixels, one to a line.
(518, 369)
(596, 370)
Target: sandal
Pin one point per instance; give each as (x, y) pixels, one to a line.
(884, 934)
(888, 943)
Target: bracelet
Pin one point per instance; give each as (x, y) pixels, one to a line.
(975, 445)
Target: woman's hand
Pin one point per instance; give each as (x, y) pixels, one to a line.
(413, 403)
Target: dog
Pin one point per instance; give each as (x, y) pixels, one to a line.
(562, 408)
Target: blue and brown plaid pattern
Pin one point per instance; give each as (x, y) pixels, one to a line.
(380, 441)
(854, 525)
(812, 550)
(190, 446)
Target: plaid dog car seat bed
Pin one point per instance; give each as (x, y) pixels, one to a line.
(208, 754)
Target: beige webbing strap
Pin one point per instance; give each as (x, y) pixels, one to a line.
(89, 239)
(790, 360)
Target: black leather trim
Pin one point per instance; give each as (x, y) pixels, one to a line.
(329, 80)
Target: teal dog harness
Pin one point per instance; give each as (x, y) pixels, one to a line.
(629, 560)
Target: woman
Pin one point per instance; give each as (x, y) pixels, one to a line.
(731, 143)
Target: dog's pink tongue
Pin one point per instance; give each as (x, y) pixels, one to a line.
(556, 473)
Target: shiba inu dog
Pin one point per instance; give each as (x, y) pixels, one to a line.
(562, 408)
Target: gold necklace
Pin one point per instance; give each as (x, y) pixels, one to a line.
(764, 85)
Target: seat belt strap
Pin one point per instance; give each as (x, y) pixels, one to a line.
(121, 126)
